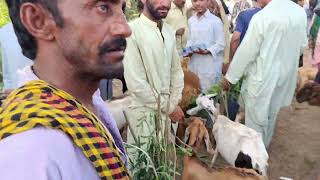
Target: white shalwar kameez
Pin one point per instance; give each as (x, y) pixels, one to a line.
(207, 30)
(268, 57)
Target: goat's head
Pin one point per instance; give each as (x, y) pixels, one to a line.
(197, 133)
(308, 92)
(204, 102)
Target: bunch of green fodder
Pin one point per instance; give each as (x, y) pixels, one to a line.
(232, 95)
(152, 156)
(4, 13)
(153, 163)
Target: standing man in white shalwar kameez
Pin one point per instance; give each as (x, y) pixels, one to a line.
(268, 57)
(152, 72)
(206, 28)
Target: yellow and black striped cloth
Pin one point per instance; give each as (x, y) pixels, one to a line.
(40, 104)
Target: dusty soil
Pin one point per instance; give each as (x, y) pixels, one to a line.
(295, 149)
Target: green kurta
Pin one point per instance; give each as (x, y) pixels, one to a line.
(151, 69)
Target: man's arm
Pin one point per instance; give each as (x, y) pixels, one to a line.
(218, 46)
(234, 44)
(247, 51)
(235, 40)
(177, 81)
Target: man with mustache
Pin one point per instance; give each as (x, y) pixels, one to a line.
(56, 126)
(152, 72)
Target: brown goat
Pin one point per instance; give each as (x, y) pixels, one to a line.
(305, 74)
(194, 169)
(191, 85)
(310, 93)
(191, 90)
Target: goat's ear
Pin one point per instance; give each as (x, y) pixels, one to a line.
(211, 96)
(193, 111)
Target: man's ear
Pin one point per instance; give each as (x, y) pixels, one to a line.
(37, 20)
(143, 1)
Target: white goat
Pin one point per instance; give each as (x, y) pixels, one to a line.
(117, 107)
(239, 145)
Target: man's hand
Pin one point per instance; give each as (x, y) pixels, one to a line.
(177, 115)
(225, 68)
(180, 32)
(311, 44)
(202, 52)
(225, 84)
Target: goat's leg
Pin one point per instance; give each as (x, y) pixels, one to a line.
(216, 153)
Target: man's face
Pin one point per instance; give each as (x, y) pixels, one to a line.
(92, 38)
(158, 9)
(200, 6)
(301, 3)
(179, 3)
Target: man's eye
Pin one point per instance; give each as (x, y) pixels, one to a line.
(103, 8)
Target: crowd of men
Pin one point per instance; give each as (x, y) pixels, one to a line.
(54, 123)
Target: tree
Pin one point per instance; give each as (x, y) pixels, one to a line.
(4, 13)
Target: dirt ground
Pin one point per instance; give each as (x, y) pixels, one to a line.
(295, 148)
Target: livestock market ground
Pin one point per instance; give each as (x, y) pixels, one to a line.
(295, 148)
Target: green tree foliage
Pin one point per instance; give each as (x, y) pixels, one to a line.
(132, 10)
(4, 14)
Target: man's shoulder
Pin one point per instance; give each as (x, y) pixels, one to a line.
(42, 153)
(168, 28)
(45, 142)
(214, 19)
(249, 12)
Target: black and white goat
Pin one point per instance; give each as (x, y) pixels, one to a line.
(239, 145)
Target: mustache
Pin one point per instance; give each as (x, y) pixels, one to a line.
(113, 45)
(163, 8)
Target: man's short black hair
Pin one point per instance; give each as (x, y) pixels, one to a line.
(26, 40)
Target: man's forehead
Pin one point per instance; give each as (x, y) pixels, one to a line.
(110, 1)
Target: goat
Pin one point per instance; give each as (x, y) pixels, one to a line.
(191, 90)
(191, 85)
(194, 169)
(311, 93)
(117, 107)
(239, 145)
(305, 74)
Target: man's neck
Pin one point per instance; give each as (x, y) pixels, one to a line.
(61, 74)
(201, 13)
(179, 7)
(149, 16)
(258, 5)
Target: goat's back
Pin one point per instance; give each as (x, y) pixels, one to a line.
(233, 138)
(196, 170)
(117, 107)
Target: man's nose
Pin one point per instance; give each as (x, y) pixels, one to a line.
(120, 27)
